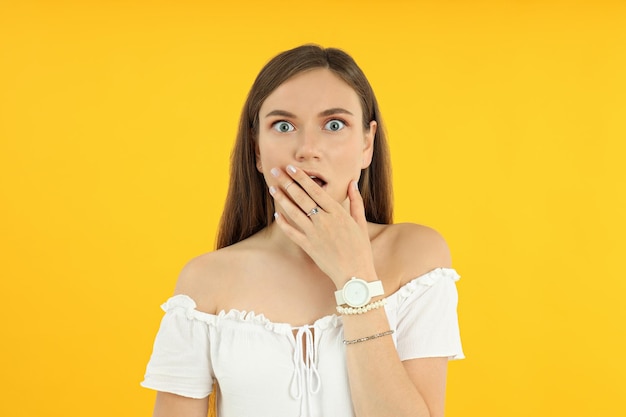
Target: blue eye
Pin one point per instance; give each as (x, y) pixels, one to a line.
(334, 125)
(283, 127)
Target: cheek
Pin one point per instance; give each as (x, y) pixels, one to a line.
(269, 156)
(265, 155)
(352, 159)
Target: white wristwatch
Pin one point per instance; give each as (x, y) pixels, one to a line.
(358, 292)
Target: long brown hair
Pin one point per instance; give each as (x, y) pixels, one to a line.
(249, 207)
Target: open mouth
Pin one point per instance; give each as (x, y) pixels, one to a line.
(318, 181)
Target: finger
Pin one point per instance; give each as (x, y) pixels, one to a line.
(283, 180)
(290, 208)
(310, 188)
(296, 194)
(313, 211)
(296, 236)
(289, 185)
(357, 209)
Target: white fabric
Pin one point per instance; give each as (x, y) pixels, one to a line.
(260, 365)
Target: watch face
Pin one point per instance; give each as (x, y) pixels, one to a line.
(356, 293)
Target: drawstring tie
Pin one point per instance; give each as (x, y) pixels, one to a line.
(305, 371)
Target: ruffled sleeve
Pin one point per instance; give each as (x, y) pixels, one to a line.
(427, 317)
(180, 361)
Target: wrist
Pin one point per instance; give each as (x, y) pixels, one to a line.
(362, 310)
(365, 275)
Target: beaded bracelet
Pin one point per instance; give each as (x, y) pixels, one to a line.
(364, 339)
(363, 309)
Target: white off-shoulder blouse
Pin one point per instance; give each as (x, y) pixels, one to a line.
(259, 365)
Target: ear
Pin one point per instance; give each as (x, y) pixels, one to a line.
(257, 154)
(368, 144)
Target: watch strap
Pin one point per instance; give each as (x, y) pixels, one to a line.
(339, 297)
(375, 289)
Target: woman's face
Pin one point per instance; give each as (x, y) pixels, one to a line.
(314, 121)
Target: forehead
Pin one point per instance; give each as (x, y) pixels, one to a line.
(312, 92)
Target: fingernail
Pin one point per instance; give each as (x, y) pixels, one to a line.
(356, 185)
(275, 215)
(272, 190)
(275, 172)
(291, 169)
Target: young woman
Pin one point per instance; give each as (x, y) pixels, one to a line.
(314, 304)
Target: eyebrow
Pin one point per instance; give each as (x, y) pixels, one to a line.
(329, 112)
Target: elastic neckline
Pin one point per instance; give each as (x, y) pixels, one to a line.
(186, 303)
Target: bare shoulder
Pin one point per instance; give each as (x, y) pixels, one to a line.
(205, 278)
(415, 249)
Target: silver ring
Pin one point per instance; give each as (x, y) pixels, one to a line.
(288, 185)
(313, 211)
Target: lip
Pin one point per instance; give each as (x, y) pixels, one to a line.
(313, 174)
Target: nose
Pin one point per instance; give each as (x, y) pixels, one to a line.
(308, 145)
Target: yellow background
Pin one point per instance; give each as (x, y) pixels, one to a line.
(507, 128)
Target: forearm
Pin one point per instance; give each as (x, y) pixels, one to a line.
(379, 383)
